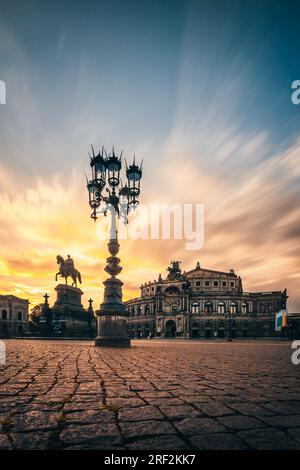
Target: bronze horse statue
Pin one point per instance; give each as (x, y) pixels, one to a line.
(67, 269)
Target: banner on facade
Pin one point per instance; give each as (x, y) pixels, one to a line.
(280, 320)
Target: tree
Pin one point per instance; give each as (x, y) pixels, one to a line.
(36, 313)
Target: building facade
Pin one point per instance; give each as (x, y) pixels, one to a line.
(202, 303)
(13, 316)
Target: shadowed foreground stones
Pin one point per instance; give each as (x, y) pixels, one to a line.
(83, 434)
(218, 441)
(159, 443)
(145, 413)
(5, 442)
(157, 395)
(35, 421)
(267, 438)
(192, 426)
(146, 428)
(32, 440)
(240, 422)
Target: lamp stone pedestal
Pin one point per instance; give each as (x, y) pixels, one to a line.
(112, 316)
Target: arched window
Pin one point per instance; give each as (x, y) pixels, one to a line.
(173, 290)
(139, 310)
(244, 308)
(195, 307)
(208, 307)
(221, 308)
(233, 308)
(4, 315)
(20, 316)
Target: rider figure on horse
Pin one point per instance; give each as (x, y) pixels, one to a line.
(70, 265)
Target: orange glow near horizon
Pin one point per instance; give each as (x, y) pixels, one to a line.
(45, 219)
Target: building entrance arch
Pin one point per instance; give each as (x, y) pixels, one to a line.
(170, 329)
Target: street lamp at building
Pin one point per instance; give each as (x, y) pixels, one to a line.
(106, 193)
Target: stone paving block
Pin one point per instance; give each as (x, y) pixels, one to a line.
(81, 406)
(154, 394)
(88, 417)
(268, 439)
(217, 441)
(100, 444)
(145, 428)
(34, 421)
(140, 414)
(140, 386)
(214, 409)
(123, 393)
(240, 422)
(158, 443)
(286, 421)
(165, 401)
(74, 435)
(280, 407)
(80, 397)
(33, 440)
(125, 402)
(250, 409)
(197, 399)
(194, 426)
(5, 443)
(179, 412)
(295, 433)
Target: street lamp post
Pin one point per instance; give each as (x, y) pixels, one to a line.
(111, 318)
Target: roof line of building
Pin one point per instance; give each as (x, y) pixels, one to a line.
(228, 273)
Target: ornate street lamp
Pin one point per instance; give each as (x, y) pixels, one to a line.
(111, 329)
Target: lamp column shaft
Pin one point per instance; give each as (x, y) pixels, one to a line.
(112, 316)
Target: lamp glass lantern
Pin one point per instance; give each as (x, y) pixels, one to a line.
(94, 194)
(99, 166)
(134, 175)
(113, 167)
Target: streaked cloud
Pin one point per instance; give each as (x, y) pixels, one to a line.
(251, 224)
(204, 102)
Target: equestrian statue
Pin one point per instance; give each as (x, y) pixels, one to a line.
(66, 269)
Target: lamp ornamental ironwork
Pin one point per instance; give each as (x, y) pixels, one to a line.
(106, 193)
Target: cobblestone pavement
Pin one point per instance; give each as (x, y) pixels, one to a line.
(156, 395)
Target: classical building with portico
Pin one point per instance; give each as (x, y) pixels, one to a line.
(202, 303)
(13, 316)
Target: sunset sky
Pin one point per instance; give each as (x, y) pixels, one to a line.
(200, 90)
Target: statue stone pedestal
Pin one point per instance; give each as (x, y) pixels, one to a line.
(69, 316)
(112, 316)
(68, 296)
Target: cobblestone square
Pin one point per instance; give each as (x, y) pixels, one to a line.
(157, 395)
